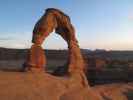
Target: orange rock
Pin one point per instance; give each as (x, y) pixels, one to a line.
(54, 19)
(36, 58)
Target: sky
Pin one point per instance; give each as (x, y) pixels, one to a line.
(99, 24)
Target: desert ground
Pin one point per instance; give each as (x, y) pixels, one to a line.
(40, 86)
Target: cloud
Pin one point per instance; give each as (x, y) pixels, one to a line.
(5, 38)
(15, 44)
(15, 40)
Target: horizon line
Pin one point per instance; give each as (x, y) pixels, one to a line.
(97, 49)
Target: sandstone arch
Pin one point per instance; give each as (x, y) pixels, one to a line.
(54, 19)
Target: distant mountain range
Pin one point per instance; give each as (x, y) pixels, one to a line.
(12, 54)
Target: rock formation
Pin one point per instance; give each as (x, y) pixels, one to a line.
(54, 19)
(43, 86)
(35, 59)
(75, 80)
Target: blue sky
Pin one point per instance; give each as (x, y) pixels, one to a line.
(102, 24)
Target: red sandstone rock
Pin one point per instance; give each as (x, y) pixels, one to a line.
(36, 58)
(56, 19)
(42, 86)
(76, 79)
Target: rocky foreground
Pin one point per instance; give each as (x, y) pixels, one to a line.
(43, 86)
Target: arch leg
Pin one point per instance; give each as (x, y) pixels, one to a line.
(75, 59)
(36, 59)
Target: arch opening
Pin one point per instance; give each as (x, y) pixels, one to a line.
(56, 52)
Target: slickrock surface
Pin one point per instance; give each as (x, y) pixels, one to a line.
(120, 91)
(42, 86)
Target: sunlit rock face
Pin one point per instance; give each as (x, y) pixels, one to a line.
(67, 87)
(35, 59)
(54, 19)
(43, 86)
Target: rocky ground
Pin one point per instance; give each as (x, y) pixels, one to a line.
(43, 86)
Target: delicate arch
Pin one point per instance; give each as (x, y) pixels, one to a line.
(56, 19)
